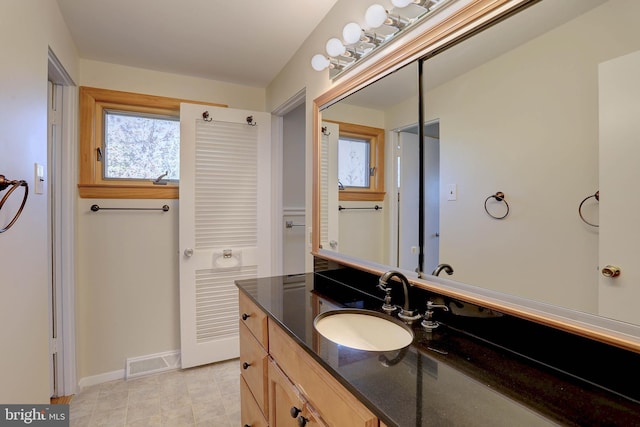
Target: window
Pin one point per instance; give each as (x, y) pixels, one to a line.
(141, 146)
(127, 141)
(360, 162)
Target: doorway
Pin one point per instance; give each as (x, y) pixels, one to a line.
(407, 189)
(290, 160)
(60, 188)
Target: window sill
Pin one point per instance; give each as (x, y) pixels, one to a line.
(361, 196)
(102, 191)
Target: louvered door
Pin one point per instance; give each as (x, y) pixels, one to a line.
(225, 217)
(329, 226)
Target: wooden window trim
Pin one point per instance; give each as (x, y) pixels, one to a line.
(93, 101)
(375, 136)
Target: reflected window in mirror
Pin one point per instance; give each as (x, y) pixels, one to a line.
(354, 163)
(360, 162)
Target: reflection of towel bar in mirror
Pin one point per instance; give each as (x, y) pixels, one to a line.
(290, 224)
(376, 208)
(96, 208)
(499, 196)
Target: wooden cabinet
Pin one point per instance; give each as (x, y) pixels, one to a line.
(252, 415)
(253, 363)
(287, 406)
(336, 405)
(283, 384)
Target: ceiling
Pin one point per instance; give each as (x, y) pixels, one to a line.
(243, 42)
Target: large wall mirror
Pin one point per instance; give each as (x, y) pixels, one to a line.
(543, 106)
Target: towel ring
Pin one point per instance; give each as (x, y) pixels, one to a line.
(4, 183)
(597, 197)
(499, 196)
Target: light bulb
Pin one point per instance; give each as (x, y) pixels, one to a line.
(335, 47)
(351, 33)
(319, 62)
(375, 15)
(401, 3)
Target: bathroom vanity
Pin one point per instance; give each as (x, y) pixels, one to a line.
(488, 370)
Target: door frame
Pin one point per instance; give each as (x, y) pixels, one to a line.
(65, 216)
(277, 144)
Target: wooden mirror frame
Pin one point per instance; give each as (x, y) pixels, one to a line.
(427, 40)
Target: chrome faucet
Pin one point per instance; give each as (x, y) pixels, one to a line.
(406, 314)
(446, 267)
(428, 323)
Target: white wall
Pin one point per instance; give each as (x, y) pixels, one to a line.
(127, 262)
(27, 29)
(526, 124)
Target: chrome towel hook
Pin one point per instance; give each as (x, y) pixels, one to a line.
(597, 197)
(4, 183)
(499, 196)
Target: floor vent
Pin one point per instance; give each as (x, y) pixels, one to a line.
(152, 364)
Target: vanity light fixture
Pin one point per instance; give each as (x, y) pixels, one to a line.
(382, 25)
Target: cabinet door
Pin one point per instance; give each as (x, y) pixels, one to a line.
(286, 406)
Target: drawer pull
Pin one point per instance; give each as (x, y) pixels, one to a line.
(246, 425)
(294, 411)
(245, 316)
(302, 421)
(246, 365)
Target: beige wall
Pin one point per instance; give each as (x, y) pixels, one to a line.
(27, 29)
(130, 79)
(127, 262)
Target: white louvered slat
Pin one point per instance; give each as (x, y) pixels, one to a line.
(324, 193)
(217, 302)
(226, 185)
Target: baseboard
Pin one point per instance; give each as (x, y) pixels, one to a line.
(101, 378)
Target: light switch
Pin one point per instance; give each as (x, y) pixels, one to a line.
(452, 192)
(39, 179)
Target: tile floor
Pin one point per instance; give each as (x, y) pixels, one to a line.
(206, 396)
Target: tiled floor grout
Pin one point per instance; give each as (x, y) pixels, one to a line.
(206, 396)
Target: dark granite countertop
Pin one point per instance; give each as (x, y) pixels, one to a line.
(456, 376)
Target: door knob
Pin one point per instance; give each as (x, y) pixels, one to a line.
(188, 252)
(611, 271)
(333, 244)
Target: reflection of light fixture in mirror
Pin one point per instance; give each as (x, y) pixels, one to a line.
(358, 42)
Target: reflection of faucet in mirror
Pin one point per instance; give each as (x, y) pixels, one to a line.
(446, 267)
(406, 314)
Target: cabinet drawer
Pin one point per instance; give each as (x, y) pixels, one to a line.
(287, 407)
(253, 367)
(254, 318)
(335, 404)
(251, 415)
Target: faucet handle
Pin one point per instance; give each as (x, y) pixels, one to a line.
(387, 307)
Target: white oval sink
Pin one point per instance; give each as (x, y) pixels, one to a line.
(363, 330)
